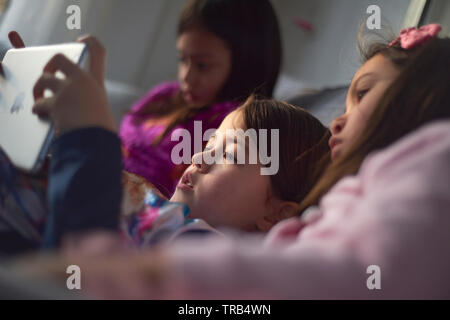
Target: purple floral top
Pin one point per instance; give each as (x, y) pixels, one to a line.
(138, 132)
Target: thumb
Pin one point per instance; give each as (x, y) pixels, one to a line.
(97, 57)
(16, 40)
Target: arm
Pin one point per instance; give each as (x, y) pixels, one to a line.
(85, 184)
(85, 174)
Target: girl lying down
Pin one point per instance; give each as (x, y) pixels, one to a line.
(229, 190)
(228, 194)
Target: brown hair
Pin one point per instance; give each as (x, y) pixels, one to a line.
(251, 30)
(302, 144)
(420, 95)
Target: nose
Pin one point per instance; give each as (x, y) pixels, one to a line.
(200, 163)
(338, 125)
(189, 75)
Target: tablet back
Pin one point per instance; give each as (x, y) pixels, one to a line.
(23, 136)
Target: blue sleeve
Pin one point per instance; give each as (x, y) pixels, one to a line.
(85, 188)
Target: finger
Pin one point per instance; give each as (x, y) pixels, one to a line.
(97, 56)
(16, 40)
(46, 81)
(43, 107)
(61, 63)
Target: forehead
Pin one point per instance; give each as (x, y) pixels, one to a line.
(227, 129)
(235, 120)
(379, 66)
(198, 41)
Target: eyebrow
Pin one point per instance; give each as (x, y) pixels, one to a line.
(246, 145)
(366, 75)
(198, 55)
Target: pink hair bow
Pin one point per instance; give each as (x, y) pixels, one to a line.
(413, 37)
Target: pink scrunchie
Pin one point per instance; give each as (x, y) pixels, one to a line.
(413, 37)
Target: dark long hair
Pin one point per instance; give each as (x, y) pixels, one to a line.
(420, 95)
(303, 143)
(250, 28)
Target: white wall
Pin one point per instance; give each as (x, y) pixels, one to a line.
(327, 56)
(139, 35)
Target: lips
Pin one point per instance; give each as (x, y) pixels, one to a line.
(190, 96)
(186, 182)
(334, 142)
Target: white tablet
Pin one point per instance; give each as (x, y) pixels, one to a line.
(23, 136)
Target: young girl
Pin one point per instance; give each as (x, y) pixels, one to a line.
(228, 49)
(217, 71)
(380, 228)
(236, 195)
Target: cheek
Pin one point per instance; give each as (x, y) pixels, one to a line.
(358, 119)
(355, 124)
(232, 198)
(372, 101)
(212, 84)
(214, 194)
(216, 185)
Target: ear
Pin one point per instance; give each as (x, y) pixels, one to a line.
(283, 210)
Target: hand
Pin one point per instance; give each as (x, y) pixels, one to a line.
(16, 42)
(79, 100)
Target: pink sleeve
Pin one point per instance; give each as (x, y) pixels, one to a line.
(394, 214)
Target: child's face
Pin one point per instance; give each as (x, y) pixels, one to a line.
(367, 88)
(227, 195)
(204, 67)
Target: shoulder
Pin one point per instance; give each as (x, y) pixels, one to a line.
(422, 152)
(161, 91)
(164, 89)
(415, 167)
